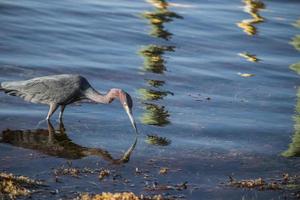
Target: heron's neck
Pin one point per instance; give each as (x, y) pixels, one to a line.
(99, 98)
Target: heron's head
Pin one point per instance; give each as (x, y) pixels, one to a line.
(127, 104)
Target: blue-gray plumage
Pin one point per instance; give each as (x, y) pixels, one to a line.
(61, 90)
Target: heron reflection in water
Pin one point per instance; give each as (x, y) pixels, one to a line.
(56, 143)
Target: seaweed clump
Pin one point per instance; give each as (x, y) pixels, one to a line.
(286, 182)
(12, 186)
(75, 172)
(104, 173)
(109, 196)
(258, 183)
(119, 196)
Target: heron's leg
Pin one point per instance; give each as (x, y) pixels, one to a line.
(52, 109)
(51, 132)
(39, 123)
(62, 127)
(61, 112)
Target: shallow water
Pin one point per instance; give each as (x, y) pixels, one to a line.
(180, 62)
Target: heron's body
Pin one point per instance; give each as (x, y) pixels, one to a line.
(61, 90)
(58, 89)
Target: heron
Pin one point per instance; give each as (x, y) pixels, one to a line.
(64, 89)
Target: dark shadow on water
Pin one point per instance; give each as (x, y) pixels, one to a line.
(57, 143)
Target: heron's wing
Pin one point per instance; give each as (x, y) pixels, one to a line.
(52, 89)
(32, 91)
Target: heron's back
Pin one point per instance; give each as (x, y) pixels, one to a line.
(60, 89)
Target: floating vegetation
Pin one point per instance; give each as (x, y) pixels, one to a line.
(163, 187)
(163, 170)
(245, 75)
(156, 140)
(256, 183)
(122, 196)
(110, 196)
(249, 57)
(285, 183)
(74, 171)
(104, 173)
(12, 186)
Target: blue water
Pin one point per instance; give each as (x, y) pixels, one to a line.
(180, 62)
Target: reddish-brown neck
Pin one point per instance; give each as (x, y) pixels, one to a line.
(99, 98)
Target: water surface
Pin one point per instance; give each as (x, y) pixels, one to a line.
(180, 61)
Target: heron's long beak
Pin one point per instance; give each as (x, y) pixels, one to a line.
(129, 113)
